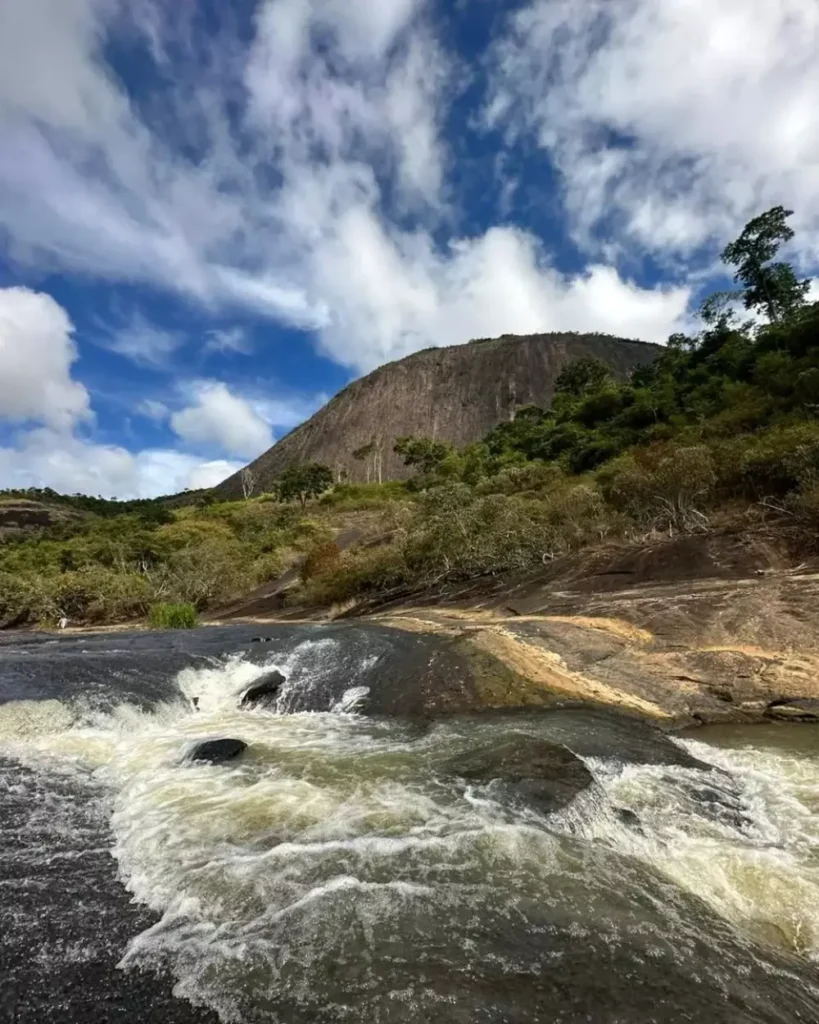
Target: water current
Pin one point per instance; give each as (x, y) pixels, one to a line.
(337, 872)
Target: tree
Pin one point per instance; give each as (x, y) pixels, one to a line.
(770, 287)
(363, 454)
(422, 452)
(248, 482)
(582, 377)
(303, 482)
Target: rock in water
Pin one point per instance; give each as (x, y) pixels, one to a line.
(794, 710)
(532, 771)
(217, 751)
(263, 689)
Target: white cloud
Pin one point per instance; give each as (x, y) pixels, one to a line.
(69, 464)
(36, 355)
(324, 202)
(229, 339)
(209, 474)
(672, 122)
(152, 409)
(399, 294)
(219, 417)
(144, 343)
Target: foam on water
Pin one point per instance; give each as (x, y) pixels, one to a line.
(334, 858)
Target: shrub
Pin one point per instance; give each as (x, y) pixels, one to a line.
(321, 559)
(458, 535)
(780, 460)
(662, 487)
(97, 594)
(351, 497)
(531, 476)
(208, 573)
(172, 616)
(360, 571)
(27, 598)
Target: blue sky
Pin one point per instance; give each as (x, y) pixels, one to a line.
(213, 215)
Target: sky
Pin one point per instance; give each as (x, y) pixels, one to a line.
(216, 213)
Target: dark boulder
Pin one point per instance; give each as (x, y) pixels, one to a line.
(261, 639)
(794, 710)
(263, 689)
(629, 819)
(217, 751)
(531, 771)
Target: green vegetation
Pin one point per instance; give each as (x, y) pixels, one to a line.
(172, 616)
(110, 568)
(300, 483)
(722, 430)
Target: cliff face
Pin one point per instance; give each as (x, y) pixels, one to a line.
(454, 394)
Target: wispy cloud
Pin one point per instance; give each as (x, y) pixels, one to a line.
(145, 343)
(300, 173)
(671, 123)
(230, 339)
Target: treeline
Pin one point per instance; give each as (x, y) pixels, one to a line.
(148, 508)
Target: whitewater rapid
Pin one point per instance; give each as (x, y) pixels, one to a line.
(334, 873)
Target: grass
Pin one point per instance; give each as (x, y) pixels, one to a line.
(172, 616)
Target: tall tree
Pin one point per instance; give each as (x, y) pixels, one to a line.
(769, 286)
(303, 482)
(363, 454)
(248, 482)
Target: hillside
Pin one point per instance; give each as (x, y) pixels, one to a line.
(454, 394)
(19, 516)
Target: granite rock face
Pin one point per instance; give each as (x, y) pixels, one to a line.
(454, 394)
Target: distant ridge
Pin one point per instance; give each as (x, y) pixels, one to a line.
(455, 394)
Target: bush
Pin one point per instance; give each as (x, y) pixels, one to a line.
(321, 559)
(102, 595)
(172, 616)
(531, 476)
(458, 535)
(211, 572)
(360, 571)
(780, 460)
(662, 487)
(352, 497)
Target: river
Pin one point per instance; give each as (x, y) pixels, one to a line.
(340, 871)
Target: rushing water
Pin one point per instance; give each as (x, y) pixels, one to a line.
(336, 872)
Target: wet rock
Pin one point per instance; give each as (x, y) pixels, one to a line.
(538, 773)
(629, 819)
(263, 689)
(217, 751)
(794, 710)
(261, 639)
(720, 802)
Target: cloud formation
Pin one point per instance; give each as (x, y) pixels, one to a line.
(218, 417)
(65, 462)
(322, 201)
(672, 123)
(36, 355)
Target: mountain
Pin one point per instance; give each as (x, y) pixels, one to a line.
(454, 394)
